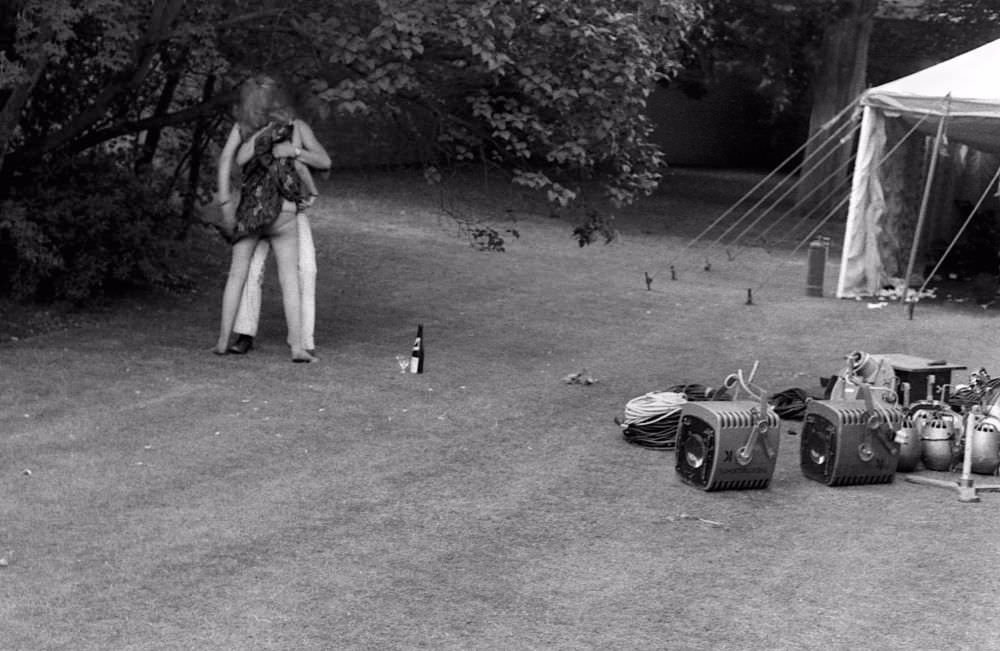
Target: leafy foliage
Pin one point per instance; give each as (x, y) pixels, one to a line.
(76, 240)
(485, 237)
(778, 43)
(975, 15)
(551, 92)
(596, 226)
(773, 43)
(941, 29)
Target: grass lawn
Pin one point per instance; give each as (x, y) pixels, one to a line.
(155, 496)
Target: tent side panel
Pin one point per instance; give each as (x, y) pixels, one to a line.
(860, 261)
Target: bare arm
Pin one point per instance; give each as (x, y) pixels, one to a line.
(312, 153)
(226, 165)
(302, 169)
(245, 152)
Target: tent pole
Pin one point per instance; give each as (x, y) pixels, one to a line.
(922, 216)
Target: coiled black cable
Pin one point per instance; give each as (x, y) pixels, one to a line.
(789, 404)
(652, 419)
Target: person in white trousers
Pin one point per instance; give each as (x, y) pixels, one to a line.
(307, 152)
(248, 315)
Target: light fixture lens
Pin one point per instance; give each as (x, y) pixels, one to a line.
(694, 452)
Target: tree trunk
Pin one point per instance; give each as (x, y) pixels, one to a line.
(839, 80)
(163, 15)
(212, 106)
(10, 111)
(197, 150)
(152, 141)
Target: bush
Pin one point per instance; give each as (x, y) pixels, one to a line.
(84, 228)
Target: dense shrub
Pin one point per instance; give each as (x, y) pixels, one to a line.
(84, 228)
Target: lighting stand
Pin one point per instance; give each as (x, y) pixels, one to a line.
(966, 485)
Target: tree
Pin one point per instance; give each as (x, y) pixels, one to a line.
(550, 91)
(948, 28)
(813, 56)
(932, 31)
(84, 66)
(76, 81)
(840, 77)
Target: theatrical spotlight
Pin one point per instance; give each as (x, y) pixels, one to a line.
(728, 444)
(850, 442)
(863, 369)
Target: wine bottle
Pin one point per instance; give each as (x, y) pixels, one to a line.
(417, 356)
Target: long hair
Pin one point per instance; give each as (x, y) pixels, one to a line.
(262, 99)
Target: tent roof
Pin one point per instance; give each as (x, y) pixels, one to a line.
(967, 86)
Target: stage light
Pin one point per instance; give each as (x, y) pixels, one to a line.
(727, 445)
(849, 442)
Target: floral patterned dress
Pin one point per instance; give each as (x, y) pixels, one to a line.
(267, 183)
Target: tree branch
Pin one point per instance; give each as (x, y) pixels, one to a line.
(205, 109)
(11, 111)
(163, 15)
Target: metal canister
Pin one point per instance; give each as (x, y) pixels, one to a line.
(819, 249)
(911, 446)
(938, 444)
(986, 447)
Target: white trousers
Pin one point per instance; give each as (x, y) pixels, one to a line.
(248, 315)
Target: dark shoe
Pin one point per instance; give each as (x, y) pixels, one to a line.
(242, 345)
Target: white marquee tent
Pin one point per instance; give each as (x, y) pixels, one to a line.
(948, 111)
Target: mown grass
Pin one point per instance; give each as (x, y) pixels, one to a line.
(177, 500)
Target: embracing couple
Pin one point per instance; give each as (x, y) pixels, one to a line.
(274, 150)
